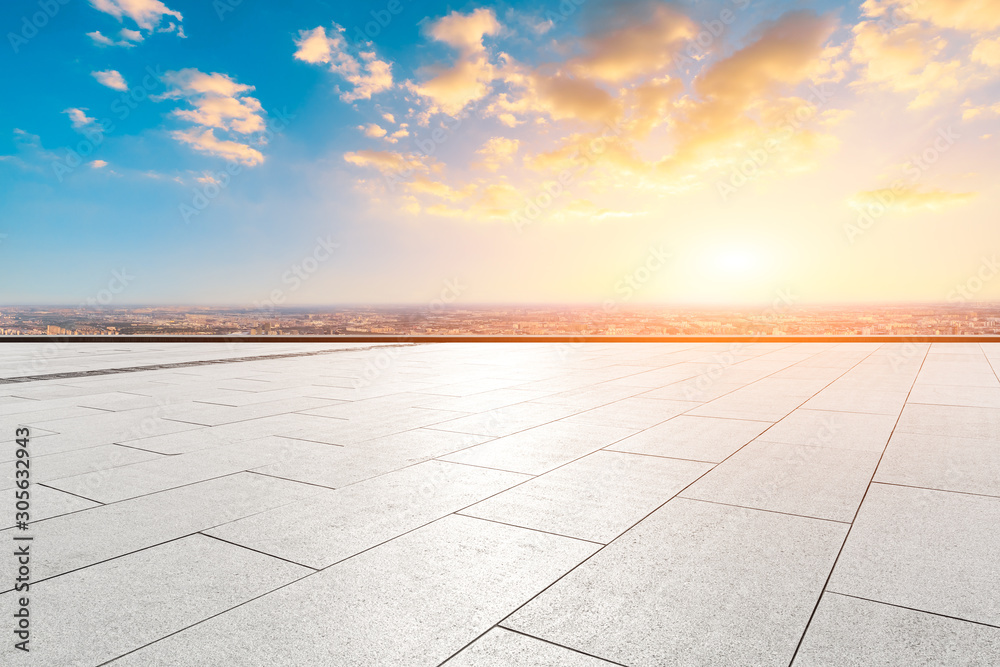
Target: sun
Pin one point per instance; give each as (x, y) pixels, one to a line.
(736, 261)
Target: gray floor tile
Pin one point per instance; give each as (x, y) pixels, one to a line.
(849, 632)
(595, 498)
(169, 587)
(168, 472)
(976, 397)
(538, 450)
(700, 389)
(797, 479)
(961, 422)
(869, 401)
(196, 438)
(84, 538)
(838, 430)
(750, 404)
(747, 579)
(696, 438)
(946, 463)
(508, 420)
(55, 466)
(502, 648)
(462, 576)
(338, 524)
(45, 504)
(633, 413)
(929, 550)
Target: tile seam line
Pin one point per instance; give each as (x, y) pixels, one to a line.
(549, 642)
(919, 611)
(760, 509)
(207, 618)
(928, 488)
(535, 530)
(256, 551)
(843, 544)
(695, 481)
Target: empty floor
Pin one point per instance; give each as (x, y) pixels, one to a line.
(505, 504)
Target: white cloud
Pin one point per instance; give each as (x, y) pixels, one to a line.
(365, 72)
(110, 78)
(147, 14)
(128, 38)
(218, 103)
(78, 118)
(97, 164)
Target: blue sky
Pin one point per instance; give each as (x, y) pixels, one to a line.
(325, 137)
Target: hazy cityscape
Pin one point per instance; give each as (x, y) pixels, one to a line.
(778, 319)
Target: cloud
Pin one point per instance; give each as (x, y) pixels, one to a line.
(638, 43)
(468, 79)
(78, 118)
(987, 52)
(147, 14)
(972, 111)
(31, 155)
(968, 15)
(387, 162)
(910, 200)
(111, 78)
(373, 130)
(367, 74)
(497, 152)
(218, 103)
(929, 50)
(465, 32)
(131, 35)
(97, 164)
(205, 141)
(128, 38)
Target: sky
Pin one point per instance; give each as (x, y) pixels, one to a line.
(307, 152)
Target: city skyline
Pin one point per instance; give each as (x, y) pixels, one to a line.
(690, 153)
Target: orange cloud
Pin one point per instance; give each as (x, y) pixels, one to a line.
(367, 74)
(637, 46)
(910, 200)
(469, 78)
(206, 142)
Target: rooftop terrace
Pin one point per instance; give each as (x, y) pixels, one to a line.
(531, 504)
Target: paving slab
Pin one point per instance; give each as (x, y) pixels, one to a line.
(695, 438)
(540, 449)
(849, 632)
(46, 503)
(869, 401)
(508, 420)
(837, 430)
(945, 463)
(816, 482)
(933, 551)
(170, 587)
(503, 648)
(462, 576)
(595, 498)
(94, 535)
(962, 422)
(634, 413)
(961, 395)
(169, 472)
(337, 524)
(746, 580)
